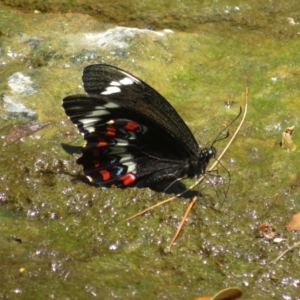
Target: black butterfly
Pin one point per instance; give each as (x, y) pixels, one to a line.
(133, 134)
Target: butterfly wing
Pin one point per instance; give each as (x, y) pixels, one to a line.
(126, 90)
(120, 151)
(131, 131)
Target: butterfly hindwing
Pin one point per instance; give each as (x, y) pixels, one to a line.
(116, 147)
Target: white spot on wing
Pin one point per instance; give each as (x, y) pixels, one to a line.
(132, 135)
(115, 83)
(109, 105)
(128, 76)
(111, 90)
(121, 142)
(89, 129)
(88, 121)
(125, 157)
(126, 81)
(90, 178)
(97, 113)
(131, 167)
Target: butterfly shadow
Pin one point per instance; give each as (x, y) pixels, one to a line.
(71, 149)
(170, 187)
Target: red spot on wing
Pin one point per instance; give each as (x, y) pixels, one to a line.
(96, 163)
(127, 179)
(110, 131)
(102, 142)
(105, 174)
(131, 126)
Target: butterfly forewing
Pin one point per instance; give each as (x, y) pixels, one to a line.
(124, 89)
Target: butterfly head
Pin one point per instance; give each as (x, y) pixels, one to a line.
(205, 155)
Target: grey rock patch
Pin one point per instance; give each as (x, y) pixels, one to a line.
(18, 109)
(21, 84)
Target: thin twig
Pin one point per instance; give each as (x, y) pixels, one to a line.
(182, 222)
(286, 251)
(150, 208)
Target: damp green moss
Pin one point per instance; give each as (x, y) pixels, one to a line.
(70, 237)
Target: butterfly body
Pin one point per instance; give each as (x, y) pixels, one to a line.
(132, 133)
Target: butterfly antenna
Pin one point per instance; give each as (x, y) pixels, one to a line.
(219, 136)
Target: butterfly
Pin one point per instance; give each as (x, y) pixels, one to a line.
(133, 134)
